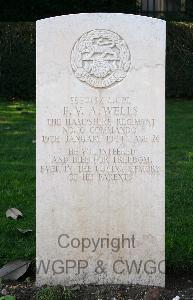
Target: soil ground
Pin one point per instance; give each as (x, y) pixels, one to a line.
(176, 285)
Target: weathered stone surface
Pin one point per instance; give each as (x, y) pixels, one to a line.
(100, 149)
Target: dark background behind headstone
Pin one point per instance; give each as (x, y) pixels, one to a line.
(32, 10)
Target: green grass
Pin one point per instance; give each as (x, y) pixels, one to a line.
(17, 181)
(54, 293)
(179, 185)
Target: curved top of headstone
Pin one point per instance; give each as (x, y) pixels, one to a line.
(102, 15)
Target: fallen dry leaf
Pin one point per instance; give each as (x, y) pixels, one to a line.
(14, 270)
(24, 231)
(13, 213)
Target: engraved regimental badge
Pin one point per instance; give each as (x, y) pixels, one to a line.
(101, 58)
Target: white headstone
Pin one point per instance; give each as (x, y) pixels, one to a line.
(100, 149)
